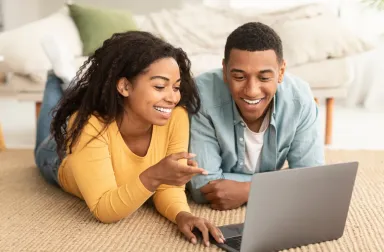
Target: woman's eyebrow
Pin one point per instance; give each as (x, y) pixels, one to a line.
(159, 77)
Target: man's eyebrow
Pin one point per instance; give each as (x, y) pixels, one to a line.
(235, 70)
(266, 71)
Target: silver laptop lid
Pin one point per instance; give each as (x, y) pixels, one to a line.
(296, 207)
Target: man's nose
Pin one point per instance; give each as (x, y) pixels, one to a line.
(252, 89)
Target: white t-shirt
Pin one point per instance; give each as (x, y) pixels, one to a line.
(253, 145)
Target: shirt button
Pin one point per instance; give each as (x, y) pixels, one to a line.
(241, 163)
(241, 139)
(234, 121)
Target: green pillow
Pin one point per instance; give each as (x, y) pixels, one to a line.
(95, 25)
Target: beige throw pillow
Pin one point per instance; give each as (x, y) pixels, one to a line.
(318, 37)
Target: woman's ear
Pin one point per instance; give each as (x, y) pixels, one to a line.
(123, 86)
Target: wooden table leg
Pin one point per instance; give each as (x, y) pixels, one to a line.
(37, 107)
(328, 122)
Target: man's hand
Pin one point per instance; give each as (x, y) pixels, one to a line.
(226, 194)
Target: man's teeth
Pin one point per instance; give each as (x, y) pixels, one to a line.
(164, 110)
(252, 101)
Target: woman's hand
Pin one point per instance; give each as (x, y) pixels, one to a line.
(187, 222)
(170, 172)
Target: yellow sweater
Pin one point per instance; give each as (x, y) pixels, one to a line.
(105, 173)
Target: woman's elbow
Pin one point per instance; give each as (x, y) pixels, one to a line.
(105, 218)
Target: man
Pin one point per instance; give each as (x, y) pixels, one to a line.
(253, 118)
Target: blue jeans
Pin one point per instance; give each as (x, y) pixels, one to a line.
(46, 157)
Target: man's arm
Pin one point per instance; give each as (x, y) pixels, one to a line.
(307, 146)
(238, 177)
(228, 190)
(204, 144)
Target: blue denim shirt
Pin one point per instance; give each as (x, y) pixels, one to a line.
(217, 132)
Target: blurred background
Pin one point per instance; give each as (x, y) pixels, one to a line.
(337, 46)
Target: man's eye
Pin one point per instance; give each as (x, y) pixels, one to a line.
(239, 78)
(264, 79)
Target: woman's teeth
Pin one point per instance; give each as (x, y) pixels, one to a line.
(164, 110)
(252, 101)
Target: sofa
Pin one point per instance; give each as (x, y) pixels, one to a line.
(316, 46)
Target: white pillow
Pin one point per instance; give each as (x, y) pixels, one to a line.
(22, 48)
(204, 62)
(265, 6)
(318, 38)
(139, 20)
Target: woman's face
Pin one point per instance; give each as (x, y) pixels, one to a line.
(152, 95)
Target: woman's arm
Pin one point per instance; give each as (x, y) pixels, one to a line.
(92, 169)
(171, 200)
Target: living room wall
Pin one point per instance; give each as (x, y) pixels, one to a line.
(138, 7)
(19, 12)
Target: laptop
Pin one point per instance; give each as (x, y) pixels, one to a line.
(293, 207)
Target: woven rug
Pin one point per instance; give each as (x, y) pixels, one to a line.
(37, 217)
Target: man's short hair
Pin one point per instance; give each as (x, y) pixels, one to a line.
(254, 36)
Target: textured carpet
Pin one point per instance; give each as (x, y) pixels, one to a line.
(37, 217)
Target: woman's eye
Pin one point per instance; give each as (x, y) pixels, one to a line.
(176, 89)
(159, 87)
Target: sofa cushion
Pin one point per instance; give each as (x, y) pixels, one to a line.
(316, 36)
(95, 25)
(327, 74)
(22, 50)
(203, 62)
(22, 84)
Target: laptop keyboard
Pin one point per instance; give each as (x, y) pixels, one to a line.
(234, 242)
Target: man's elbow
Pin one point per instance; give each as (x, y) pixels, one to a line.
(197, 196)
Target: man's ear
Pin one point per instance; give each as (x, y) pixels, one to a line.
(282, 71)
(224, 71)
(123, 86)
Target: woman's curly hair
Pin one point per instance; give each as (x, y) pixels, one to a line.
(94, 91)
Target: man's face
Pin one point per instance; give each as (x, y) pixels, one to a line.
(253, 78)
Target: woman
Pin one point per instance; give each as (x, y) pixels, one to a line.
(121, 131)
